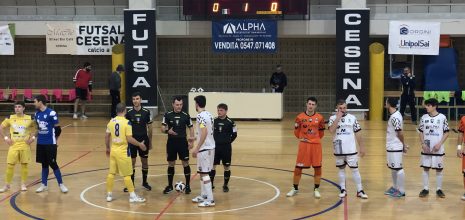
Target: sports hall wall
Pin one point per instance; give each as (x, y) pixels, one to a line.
(185, 63)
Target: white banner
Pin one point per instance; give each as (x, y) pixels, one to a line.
(7, 45)
(61, 38)
(90, 38)
(417, 38)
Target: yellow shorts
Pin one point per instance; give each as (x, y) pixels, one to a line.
(120, 163)
(19, 156)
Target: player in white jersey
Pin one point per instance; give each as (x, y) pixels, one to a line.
(204, 152)
(434, 131)
(395, 147)
(345, 129)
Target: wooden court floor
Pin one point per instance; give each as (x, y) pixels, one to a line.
(263, 159)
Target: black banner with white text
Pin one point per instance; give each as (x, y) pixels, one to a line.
(352, 58)
(140, 56)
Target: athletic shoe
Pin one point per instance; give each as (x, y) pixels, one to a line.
(397, 194)
(147, 186)
(390, 191)
(207, 204)
(198, 199)
(213, 186)
(125, 190)
(5, 189)
(293, 192)
(187, 190)
(168, 189)
(136, 199)
(84, 117)
(109, 197)
(63, 188)
(362, 194)
(23, 187)
(343, 193)
(424, 193)
(225, 189)
(316, 193)
(440, 193)
(75, 116)
(41, 188)
(463, 197)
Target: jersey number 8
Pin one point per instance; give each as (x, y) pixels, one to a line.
(117, 130)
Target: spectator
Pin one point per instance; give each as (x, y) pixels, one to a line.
(83, 84)
(408, 93)
(115, 86)
(278, 80)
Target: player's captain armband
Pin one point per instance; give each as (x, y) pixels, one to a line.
(202, 125)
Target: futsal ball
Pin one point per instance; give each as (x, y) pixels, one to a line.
(180, 186)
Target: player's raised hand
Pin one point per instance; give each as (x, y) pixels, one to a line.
(142, 146)
(339, 114)
(171, 132)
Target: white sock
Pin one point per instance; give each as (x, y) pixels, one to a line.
(208, 191)
(202, 189)
(132, 194)
(394, 178)
(357, 179)
(342, 178)
(425, 179)
(439, 179)
(401, 180)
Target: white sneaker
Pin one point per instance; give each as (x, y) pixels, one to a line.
(343, 193)
(362, 195)
(463, 197)
(316, 193)
(84, 117)
(41, 188)
(23, 187)
(75, 116)
(198, 199)
(5, 189)
(206, 203)
(136, 199)
(63, 188)
(109, 197)
(293, 192)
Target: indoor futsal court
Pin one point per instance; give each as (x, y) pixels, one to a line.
(232, 109)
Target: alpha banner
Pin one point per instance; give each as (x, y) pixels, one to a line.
(244, 35)
(7, 44)
(414, 38)
(140, 56)
(352, 57)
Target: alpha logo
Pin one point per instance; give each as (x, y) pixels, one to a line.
(229, 28)
(403, 30)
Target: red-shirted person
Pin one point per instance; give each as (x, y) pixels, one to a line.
(460, 149)
(309, 129)
(83, 84)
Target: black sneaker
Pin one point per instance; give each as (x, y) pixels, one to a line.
(168, 189)
(225, 189)
(424, 193)
(147, 186)
(187, 190)
(440, 194)
(125, 190)
(213, 186)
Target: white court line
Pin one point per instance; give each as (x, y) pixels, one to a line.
(182, 213)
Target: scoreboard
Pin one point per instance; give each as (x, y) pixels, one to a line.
(213, 8)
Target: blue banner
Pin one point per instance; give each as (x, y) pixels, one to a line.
(244, 35)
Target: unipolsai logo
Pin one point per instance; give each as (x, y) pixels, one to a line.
(403, 30)
(229, 28)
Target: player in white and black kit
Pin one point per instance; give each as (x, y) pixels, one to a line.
(346, 133)
(434, 130)
(204, 151)
(395, 147)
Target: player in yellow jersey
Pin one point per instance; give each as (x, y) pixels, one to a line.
(20, 138)
(119, 134)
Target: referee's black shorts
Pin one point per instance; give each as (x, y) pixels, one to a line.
(223, 154)
(136, 150)
(46, 153)
(177, 147)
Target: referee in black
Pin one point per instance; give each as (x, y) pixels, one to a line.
(174, 124)
(141, 121)
(225, 132)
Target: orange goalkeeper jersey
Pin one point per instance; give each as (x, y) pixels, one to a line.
(309, 128)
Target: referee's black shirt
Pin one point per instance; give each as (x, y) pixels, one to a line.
(139, 120)
(224, 131)
(178, 121)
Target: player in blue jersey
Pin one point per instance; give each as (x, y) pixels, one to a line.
(48, 131)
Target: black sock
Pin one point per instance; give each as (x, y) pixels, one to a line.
(296, 187)
(145, 171)
(132, 176)
(227, 174)
(170, 176)
(187, 174)
(212, 175)
(317, 186)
